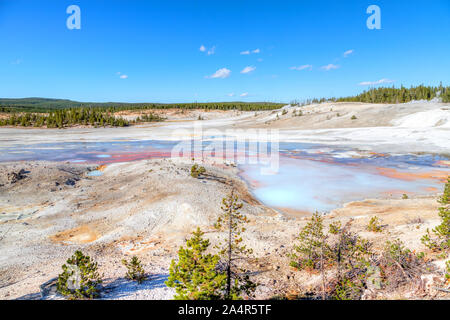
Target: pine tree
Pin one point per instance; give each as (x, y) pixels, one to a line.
(439, 239)
(195, 276)
(232, 221)
(309, 252)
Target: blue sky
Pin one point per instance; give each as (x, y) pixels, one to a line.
(149, 51)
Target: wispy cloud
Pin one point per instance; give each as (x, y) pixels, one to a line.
(220, 74)
(303, 67)
(330, 67)
(259, 59)
(250, 52)
(17, 61)
(348, 52)
(122, 76)
(248, 69)
(231, 94)
(373, 83)
(209, 51)
(244, 94)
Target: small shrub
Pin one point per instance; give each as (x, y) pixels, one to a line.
(80, 278)
(335, 227)
(346, 289)
(353, 117)
(405, 196)
(374, 225)
(447, 272)
(351, 255)
(439, 238)
(400, 265)
(197, 171)
(308, 252)
(135, 271)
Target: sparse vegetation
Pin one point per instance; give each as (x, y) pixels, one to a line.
(399, 265)
(405, 196)
(80, 278)
(350, 254)
(297, 113)
(135, 270)
(374, 225)
(447, 271)
(353, 117)
(197, 171)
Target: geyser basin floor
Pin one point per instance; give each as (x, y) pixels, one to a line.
(310, 177)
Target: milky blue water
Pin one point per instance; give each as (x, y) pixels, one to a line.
(310, 177)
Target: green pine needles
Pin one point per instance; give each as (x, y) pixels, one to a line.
(307, 253)
(199, 275)
(439, 238)
(197, 171)
(135, 270)
(195, 276)
(80, 278)
(232, 222)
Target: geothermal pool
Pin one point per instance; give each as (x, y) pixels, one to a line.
(310, 177)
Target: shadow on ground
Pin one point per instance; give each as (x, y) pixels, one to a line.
(121, 287)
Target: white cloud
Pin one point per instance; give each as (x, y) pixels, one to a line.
(121, 76)
(348, 52)
(211, 51)
(244, 94)
(248, 69)
(221, 73)
(330, 67)
(250, 52)
(231, 94)
(303, 67)
(373, 83)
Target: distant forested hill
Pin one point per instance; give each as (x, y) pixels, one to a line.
(49, 105)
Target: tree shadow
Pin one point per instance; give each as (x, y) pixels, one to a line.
(122, 287)
(30, 296)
